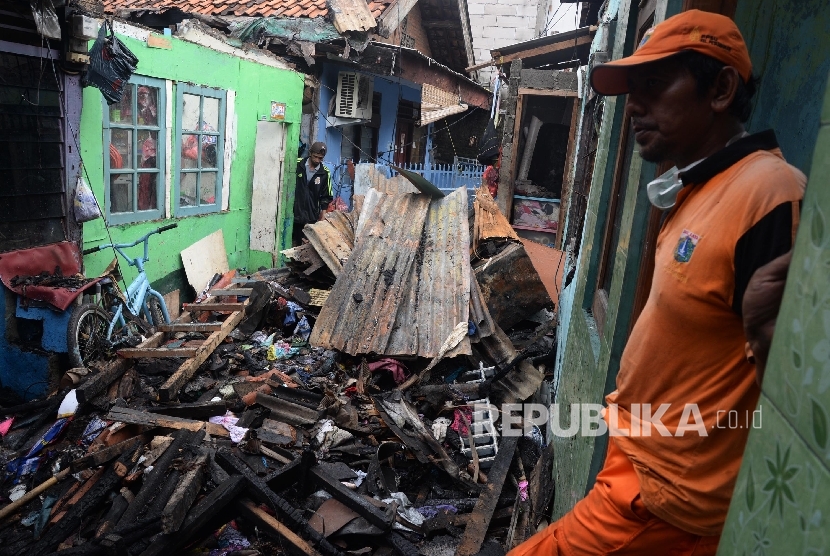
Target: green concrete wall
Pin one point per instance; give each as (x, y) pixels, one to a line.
(781, 503)
(255, 85)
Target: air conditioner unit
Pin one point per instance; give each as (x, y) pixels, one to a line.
(354, 95)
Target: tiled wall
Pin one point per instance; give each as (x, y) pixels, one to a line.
(781, 503)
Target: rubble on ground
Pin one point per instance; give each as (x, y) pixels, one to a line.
(336, 406)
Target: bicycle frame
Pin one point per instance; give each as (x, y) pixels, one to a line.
(139, 288)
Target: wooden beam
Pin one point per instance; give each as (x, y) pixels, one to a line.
(567, 176)
(272, 525)
(218, 307)
(170, 389)
(190, 327)
(547, 92)
(540, 50)
(438, 24)
(244, 292)
(393, 15)
(483, 512)
(156, 353)
(136, 417)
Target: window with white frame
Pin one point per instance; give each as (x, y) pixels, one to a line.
(200, 146)
(134, 152)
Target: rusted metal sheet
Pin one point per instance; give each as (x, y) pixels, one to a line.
(351, 15)
(550, 264)
(439, 286)
(368, 176)
(489, 222)
(305, 257)
(511, 287)
(361, 309)
(333, 239)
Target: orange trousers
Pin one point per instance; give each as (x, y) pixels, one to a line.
(612, 519)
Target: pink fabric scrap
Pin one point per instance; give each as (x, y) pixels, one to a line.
(398, 370)
(523, 490)
(458, 424)
(5, 426)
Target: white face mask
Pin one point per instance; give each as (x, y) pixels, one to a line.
(662, 192)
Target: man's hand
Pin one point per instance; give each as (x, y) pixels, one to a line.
(761, 303)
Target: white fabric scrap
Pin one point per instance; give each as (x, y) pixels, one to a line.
(228, 420)
(439, 428)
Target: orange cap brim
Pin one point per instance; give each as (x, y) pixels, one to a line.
(611, 78)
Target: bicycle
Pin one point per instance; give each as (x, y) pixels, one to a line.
(96, 328)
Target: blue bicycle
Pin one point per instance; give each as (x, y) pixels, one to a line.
(112, 319)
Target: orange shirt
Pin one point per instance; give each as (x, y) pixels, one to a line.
(687, 347)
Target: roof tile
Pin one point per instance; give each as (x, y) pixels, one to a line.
(256, 8)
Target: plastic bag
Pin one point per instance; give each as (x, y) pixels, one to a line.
(488, 151)
(86, 207)
(46, 20)
(110, 65)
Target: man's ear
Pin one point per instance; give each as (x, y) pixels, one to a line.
(725, 88)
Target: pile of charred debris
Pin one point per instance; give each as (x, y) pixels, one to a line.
(351, 408)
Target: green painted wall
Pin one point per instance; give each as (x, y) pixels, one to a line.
(788, 42)
(781, 503)
(255, 85)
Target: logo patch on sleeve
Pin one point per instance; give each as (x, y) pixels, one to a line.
(686, 246)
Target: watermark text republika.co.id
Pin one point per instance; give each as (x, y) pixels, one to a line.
(587, 419)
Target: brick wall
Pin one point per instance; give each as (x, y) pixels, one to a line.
(498, 23)
(413, 32)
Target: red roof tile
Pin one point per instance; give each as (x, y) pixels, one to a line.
(255, 8)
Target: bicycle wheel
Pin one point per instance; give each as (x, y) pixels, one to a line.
(154, 309)
(86, 335)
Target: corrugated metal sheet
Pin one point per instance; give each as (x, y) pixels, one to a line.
(351, 15)
(407, 283)
(490, 223)
(361, 309)
(439, 295)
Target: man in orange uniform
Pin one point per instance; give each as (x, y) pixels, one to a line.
(732, 206)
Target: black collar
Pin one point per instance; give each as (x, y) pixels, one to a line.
(727, 156)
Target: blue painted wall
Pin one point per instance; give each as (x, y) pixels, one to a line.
(25, 372)
(390, 92)
(788, 43)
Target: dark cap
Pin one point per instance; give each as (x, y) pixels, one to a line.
(318, 148)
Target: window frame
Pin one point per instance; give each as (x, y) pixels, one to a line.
(209, 92)
(161, 154)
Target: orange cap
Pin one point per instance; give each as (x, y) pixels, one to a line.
(711, 34)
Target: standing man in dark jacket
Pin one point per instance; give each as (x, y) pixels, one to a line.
(313, 192)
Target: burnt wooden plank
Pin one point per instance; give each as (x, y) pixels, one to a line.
(154, 480)
(106, 454)
(483, 512)
(351, 500)
(136, 417)
(289, 515)
(198, 517)
(84, 507)
(98, 383)
(170, 389)
(197, 410)
(176, 509)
